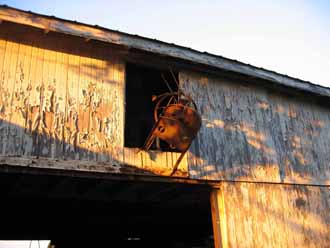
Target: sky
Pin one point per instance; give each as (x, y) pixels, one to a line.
(291, 37)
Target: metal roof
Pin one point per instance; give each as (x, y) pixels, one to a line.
(52, 23)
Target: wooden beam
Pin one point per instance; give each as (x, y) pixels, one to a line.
(86, 169)
(215, 218)
(218, 219)
(156, 47)
(88, 166)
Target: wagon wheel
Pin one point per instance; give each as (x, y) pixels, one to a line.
(173, 98)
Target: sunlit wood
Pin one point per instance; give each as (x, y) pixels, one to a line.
(268, 215)
(264, 151)
(249, 134)
(66, 102)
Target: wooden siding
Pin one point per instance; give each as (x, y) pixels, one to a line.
(58, 104)
(253, 134)
(62, 98)
(270, 215)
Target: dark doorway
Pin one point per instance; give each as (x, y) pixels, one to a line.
(87, 212)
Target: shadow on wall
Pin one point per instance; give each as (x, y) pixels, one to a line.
(63, 98)
(251, 135)
(39, 149)
(291, 215)
(60, 98)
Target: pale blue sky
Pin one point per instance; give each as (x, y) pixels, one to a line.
(291, 37)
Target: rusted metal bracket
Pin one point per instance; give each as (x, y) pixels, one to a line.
(177, 122)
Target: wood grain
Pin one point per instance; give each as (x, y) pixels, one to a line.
(159, 163)
(252, 134)
(273, 215)
(57, 101)
(64, 99)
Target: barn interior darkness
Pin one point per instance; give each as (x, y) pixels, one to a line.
(142, 83)
(99, 212)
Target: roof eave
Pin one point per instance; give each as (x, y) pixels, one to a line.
(154, 46)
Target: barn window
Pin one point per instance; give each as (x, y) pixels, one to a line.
(142, 83)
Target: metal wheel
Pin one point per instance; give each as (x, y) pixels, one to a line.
(172, 98)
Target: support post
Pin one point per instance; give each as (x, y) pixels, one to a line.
(218, 219)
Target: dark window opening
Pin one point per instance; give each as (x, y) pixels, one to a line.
(142, 83)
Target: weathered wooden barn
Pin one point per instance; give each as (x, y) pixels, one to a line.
(75, 107)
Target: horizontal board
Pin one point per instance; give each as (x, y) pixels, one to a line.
(159, 163)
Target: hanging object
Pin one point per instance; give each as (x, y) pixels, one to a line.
(177, 122)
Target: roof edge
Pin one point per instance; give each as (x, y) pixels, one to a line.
(51, 23)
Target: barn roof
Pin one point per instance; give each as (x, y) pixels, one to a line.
(185, 54)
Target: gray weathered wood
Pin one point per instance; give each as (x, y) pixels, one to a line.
(251, 134)
(273, 215)
(64, 99)
(57, 101)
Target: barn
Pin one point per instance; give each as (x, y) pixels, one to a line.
(76, 108)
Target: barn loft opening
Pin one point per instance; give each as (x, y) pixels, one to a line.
(142, 83)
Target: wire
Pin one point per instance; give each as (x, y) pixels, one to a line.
(175, 80)
(167, 84)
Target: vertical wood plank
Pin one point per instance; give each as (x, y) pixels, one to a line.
(119, 96)
(39, 101)
(48, 104)
(71, 131)
(5, 113)
(26, 140)
(99, 114)
(108, 105)
(13, 85)
(22, 98)
(61, 103)
(3, 42)
(16, 129)
(33, 118)
(83, 108)
(3, 92)
(94, 147)
(216, 219)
